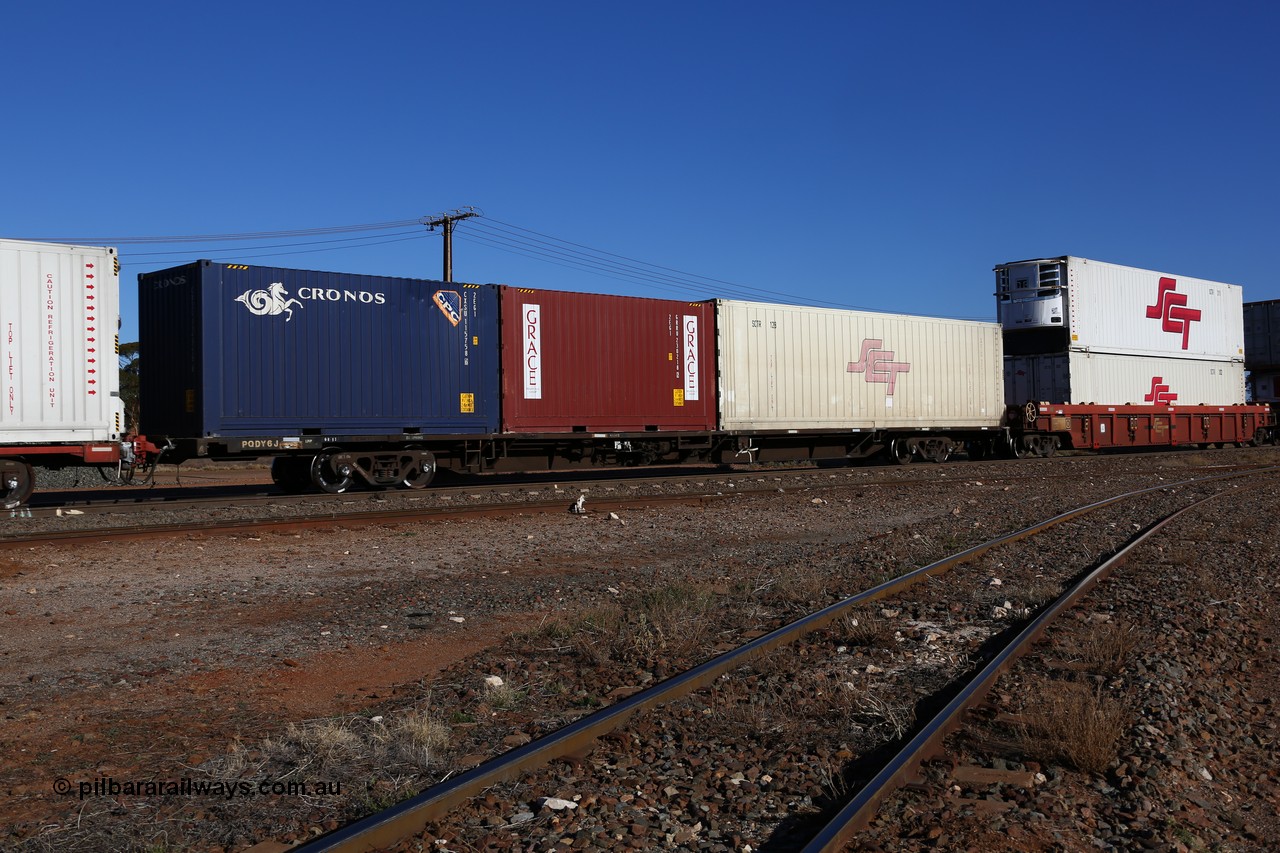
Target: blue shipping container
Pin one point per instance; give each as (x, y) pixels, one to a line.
(234, 350)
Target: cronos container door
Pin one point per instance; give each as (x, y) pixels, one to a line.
(59, 311)
(270, 351)
(582, 362)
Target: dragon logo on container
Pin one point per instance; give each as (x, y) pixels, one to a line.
(877, 364)
(1159, 394)
(1170, 309)
(270, 302)
(450, 305)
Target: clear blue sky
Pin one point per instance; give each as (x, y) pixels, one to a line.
(878, 155)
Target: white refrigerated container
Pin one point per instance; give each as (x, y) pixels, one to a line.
(59, 314)
(1068, 303)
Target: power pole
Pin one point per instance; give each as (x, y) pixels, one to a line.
(447, 221)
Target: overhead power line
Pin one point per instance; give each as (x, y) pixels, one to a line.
(576, 255)
(479, 229)
(327, 246)
(239, 254)
(247, 235)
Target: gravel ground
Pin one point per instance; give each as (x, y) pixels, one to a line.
(1192, 682)
(190, 658)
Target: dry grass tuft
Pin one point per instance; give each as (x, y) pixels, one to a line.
(410, 741)
(799, 587)
(504, 697)
(669, 621)
(1106, 648)
(1074, 725)
(422, 730)
(551, 634)
(868, 630)
(1039, 592)
(419, 739)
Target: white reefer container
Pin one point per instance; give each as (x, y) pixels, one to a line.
(1069, 303)
(1109, 379)
(791, 368)
(59, 312)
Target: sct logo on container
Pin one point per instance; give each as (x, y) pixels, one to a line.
(1171, 310)
(1159, 394)
(877, 364)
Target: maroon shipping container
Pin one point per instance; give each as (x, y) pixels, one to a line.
(585, 362)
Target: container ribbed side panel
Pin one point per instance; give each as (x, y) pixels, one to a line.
(795, 368)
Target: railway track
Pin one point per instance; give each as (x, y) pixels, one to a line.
(255, 509)
(827, 825)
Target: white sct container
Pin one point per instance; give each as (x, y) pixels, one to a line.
(1108, 308)
(1108, 379)
(793, 368)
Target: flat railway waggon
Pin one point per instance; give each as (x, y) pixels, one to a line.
(1103, 356)
(352, 380)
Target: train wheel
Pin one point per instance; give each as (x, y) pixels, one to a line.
(423, 471)
(1019, 446)
(901, 451)
(330, 471)
(17, 482)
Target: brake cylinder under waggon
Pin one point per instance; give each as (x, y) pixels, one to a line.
(1100, 355)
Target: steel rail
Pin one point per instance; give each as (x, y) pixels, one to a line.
(858, 813)
(350, 519)
(107, 498)
(411, 816)
(338, 515)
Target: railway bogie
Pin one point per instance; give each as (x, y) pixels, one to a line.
(335, 470)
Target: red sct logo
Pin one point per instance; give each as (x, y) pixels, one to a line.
(878, 364)
(1159, 394)
(1171, 310)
